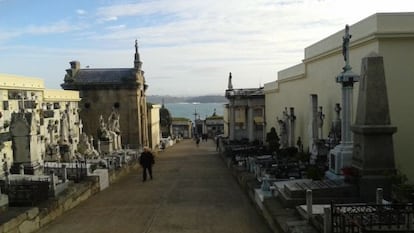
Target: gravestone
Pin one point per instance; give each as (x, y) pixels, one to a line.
(373, 153)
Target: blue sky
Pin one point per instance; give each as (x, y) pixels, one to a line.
(187, 47)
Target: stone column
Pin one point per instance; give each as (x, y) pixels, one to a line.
(347, 102)
(250, 122)
(379, 196)
(232, 120)
(53, 181)
(139, 121)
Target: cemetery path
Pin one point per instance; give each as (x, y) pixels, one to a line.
(192, 191)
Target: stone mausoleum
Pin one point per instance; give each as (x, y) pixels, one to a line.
(245, 113)
(104, 90)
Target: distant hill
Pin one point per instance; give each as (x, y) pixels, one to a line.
(157, 99)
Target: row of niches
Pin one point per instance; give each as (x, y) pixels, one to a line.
(31, 104)
(21, 95)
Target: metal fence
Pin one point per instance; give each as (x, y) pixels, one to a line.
(26, 192)
(76, 171)
(372, 218)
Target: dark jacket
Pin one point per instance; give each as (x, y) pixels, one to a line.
(146, 159)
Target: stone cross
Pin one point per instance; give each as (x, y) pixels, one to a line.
(338, 111)
(320, 119)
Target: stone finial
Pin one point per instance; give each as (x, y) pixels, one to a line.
(137, 60)
(74, 65)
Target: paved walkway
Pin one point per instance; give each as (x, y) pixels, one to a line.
(192, 191)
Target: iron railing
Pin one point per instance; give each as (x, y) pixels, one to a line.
(372, 218)
(27, 192)
(75, 171)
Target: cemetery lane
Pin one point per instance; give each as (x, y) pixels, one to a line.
(192, 191)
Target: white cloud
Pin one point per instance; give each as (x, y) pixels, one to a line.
(199, 42)
(116, 27)
(80, 12)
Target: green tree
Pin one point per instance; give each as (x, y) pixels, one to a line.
(272, 140)
(165, 121)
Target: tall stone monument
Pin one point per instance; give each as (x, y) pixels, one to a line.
(373, 153)
(24, 134)
(341, 155)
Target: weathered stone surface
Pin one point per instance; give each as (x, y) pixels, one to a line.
(373, 144)
(29, 226)
(32, 213)
(13, 223)
(373, 153)
(14, 230)
(372, 106)
(51, 215)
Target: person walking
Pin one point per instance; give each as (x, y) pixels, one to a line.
(197, 141)
(146, 160)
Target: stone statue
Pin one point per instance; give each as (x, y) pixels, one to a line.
(113, 122)
(291, 118)
(51, 129)
(283, 133)
(103, 133)
(85, 147)
(345, 48)
(114, 129)
(64, 127)
(299, 144)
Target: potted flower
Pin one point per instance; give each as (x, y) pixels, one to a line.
(351, 174)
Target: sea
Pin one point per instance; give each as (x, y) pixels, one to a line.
(187, 110)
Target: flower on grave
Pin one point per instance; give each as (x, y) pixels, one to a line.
(350, 171)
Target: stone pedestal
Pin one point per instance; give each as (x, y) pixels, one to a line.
(339, 157)
(28, 168)
(106, 147)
